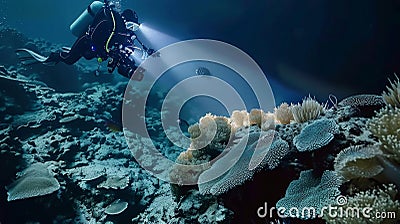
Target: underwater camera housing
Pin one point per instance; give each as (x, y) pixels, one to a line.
(126, 67)
(127, 71)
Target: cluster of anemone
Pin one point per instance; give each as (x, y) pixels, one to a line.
(392, 95)
(379, 206)
(309, 109)
(385, 125)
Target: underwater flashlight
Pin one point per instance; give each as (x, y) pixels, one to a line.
(132, 26)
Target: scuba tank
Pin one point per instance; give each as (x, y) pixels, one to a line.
(81, 24)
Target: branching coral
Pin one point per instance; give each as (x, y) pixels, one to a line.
(309, 109)
(386, 126)
(392, 96)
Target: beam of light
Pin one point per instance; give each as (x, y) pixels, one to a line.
(154, 37)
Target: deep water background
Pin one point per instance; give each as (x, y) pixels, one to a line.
(306, 47)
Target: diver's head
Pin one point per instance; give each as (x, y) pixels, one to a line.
(131, 19)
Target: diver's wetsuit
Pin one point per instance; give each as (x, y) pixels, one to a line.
(94, 42)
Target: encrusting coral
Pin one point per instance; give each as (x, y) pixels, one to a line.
(359, 161)
(362, 100)
(316, 135)
(117, 207)
(363, 105)
(34, 181)
(256, 155)
(306, 196)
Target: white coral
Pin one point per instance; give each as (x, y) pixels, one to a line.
(284, 114)
(268, 122)
(240, 119)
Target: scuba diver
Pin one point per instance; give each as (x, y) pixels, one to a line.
(102, 33)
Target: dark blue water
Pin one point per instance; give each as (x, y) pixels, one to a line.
(316, 47)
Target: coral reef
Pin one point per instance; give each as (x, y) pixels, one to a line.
(340, 132)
